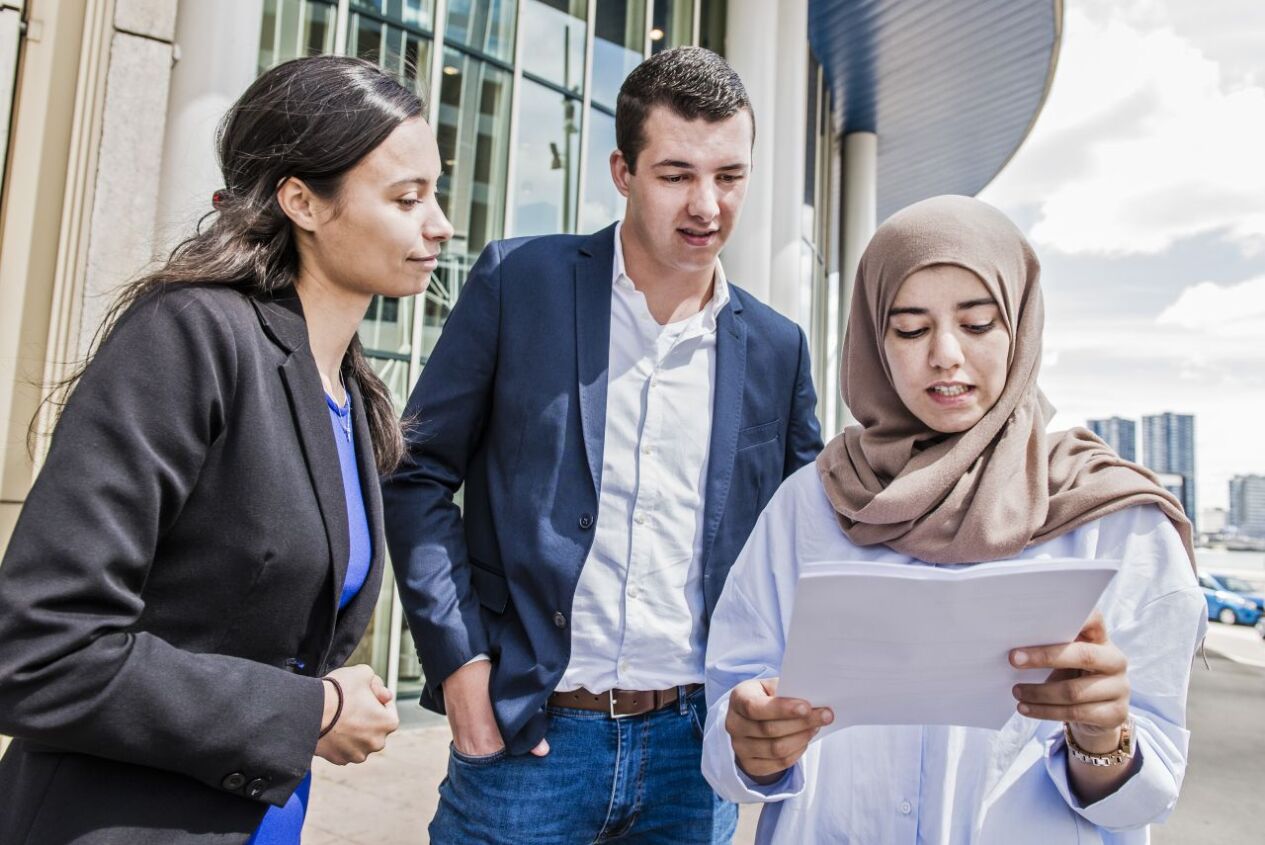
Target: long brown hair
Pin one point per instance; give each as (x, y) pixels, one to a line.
(313, 119)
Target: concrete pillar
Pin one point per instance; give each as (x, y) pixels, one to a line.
(789, 288)
(750, 25)
(219, 53)
(860, 218)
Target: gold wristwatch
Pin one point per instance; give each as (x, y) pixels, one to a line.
(1120, 756)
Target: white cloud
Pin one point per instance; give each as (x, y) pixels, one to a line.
(1229, 310)
(1144, 141)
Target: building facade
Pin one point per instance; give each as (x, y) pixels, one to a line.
(1168, 446)
(1247, 506)
(1118, 433)
(108, 109)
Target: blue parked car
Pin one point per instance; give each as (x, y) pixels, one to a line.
(1227, 606)
(1246, 589)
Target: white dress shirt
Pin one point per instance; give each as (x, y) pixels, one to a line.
(947, 784)
(636, 619)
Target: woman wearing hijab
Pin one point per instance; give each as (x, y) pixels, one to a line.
(202, 549)
(952, 465)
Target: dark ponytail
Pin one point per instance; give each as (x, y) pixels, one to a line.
(313, 119)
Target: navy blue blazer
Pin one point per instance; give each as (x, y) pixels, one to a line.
(512, 404)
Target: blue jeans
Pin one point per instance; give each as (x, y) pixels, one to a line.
(604, 780)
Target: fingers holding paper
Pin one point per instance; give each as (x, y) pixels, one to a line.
(1089, 688)
(769, 734)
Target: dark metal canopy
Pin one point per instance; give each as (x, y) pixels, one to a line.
(951, 87)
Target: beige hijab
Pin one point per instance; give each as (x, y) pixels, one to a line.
(1003, 485)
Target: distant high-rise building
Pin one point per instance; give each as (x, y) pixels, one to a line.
(1247, 504)
(1168, 446)
(1120, 434)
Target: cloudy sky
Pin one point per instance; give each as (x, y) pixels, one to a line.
(1142, 187)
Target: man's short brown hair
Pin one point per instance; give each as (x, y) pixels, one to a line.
(693, 82)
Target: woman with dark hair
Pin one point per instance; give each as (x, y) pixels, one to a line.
(951, 465)
(202, 549)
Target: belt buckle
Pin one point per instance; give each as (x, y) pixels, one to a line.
(610, 705)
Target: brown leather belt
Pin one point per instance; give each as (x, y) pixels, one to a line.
(621, 703)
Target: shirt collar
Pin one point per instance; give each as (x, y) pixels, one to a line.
(720, 285)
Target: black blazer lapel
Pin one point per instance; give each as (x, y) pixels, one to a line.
(283, 320)
(731, 371)
(593, 341)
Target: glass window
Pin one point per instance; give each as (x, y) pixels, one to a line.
(386, 334)
(603, 203)
(619, 40)
(400, 51)
(553, 41)
(418, 14)
(472, 131)
(295, 28)
(483, 25)
(673, 24)
(711, 25)
(546, 161)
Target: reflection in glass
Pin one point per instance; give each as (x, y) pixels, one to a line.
(553, 41)
(473, 136)
(673, 24)
(386, 333)
(400, 51)
(483, 25)
(711, 25)
(546, 161)
(295, 28)
(619, 39)
(603, 204)
(415, 13)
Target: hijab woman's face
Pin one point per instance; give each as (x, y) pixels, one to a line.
(947, 347)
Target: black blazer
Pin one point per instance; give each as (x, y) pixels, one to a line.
(169, 597)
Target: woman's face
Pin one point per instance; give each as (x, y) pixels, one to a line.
(947, 347)
(383, 232)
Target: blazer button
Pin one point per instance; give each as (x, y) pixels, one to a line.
(586, 521)
(559, 620)
(257, 787)
(234, 782)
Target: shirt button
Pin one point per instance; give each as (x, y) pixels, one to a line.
(640, 519)
(905, 808)
(632, 592)
(559, 620)
(586, 521)
(647, 450)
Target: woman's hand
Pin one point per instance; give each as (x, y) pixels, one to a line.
(770, 734)
(368, 716)
(1089, 688)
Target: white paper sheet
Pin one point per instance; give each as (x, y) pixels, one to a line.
(899, 644)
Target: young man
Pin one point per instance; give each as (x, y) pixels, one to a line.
(619, 415)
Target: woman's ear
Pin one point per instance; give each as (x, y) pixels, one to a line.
(299, 203)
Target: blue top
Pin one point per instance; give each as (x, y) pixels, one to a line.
(284, 825)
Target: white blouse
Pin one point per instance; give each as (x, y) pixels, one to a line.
(949, 784)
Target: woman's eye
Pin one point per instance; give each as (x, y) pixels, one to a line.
(980, 328)
(910, 335)
(409, 203)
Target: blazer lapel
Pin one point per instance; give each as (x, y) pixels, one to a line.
(731, 370)
(593, 341)
(283, 320)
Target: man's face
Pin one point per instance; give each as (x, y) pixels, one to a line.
(687, 192)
